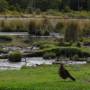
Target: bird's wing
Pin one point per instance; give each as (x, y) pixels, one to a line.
(67, 73)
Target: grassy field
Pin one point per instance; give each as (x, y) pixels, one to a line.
(45, 78)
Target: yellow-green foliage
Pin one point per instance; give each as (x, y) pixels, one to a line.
(23, 24)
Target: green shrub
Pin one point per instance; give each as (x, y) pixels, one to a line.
(77, 58)
(15, 56)
(78, 44)
(71, 51)
(68, 52)
(60, 26)
(66, 9)
(65, 44)
(49, 55)
(57, 52)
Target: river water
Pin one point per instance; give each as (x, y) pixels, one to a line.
(31, 62)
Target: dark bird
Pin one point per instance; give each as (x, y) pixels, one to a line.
(64, 74)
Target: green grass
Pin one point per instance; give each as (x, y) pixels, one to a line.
(86, 39)
(45, 78)
(85, 49)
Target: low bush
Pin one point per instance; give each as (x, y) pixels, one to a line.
(71, 51)
(15, 56)
(59, 51)
(49, 55)
(78, 44)
(77, 58)
(65, 44)
(68, 52)
(60, 27)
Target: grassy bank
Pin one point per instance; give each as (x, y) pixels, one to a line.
(56, 23)
(45, 78)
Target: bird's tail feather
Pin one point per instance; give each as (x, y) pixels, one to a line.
(72, 78)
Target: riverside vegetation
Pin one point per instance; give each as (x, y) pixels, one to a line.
(78, 30)
(74, 45)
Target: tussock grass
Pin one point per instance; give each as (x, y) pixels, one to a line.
(21, 25)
